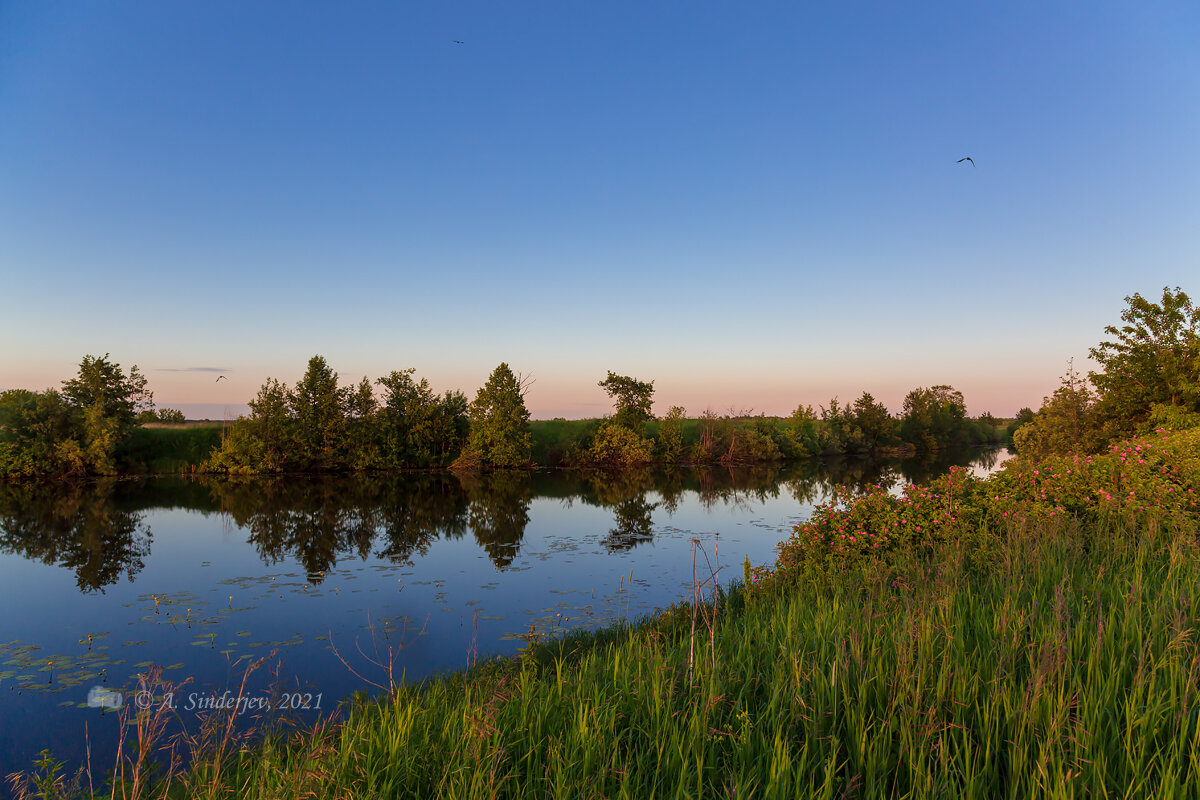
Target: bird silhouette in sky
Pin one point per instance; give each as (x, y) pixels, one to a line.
(219, 377)
(966, 158)
(456, 41)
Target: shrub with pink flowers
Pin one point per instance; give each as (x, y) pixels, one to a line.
(1157, 475)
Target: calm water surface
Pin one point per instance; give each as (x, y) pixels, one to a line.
(328, 574)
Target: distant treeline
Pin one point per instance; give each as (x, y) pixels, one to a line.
(95, 426)
(320, 425)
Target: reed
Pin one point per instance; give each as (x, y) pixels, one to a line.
(170, 450)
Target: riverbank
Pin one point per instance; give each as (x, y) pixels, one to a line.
(166, 449)
(906, 683)
(1029, 635)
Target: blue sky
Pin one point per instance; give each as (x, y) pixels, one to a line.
(753, 204)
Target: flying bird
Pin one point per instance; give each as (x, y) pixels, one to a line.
(457, 41)
(219, 377)
(966, 158)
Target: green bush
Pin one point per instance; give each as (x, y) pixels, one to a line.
(617, 446)
(1156, 476)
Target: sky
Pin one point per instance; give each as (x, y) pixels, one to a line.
(756, 205)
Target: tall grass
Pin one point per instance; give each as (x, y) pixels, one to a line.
(560, 441)
(161, 450)
(1069, 673)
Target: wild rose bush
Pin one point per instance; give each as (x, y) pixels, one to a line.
(1155, 475)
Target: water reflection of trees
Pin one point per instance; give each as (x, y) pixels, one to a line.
(419, 510)
(812, 481)
(633, 520)
(737, 486)
(498, 512)
(87, 528)
(628, 493)
(319, 521)
(98, 529)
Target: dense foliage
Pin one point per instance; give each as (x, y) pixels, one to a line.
(1151, 477)
(398, 422)
(1149, 378)
(77, 431)
(350, 428)
(1153, 359)
(93, 426)
(633, 399)
(500, 422)
(321, 425)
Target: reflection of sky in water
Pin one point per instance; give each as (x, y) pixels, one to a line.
(206, 598)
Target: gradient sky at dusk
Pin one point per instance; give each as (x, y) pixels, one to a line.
(754, 204)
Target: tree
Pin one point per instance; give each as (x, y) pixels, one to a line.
(161, 415)
(874, 422)
(633, 401)
(418, 427)
(263, 441)
(618, 446)
(670, 435)
(803, 432)
(102, 385)
(362, 410)
(838, 432)
(1065, 423)
(934, 418)
(39, 435)
(406, 418)
(318, 409)
(500, 422)
(108, 401)
(272, 424)
(1024, 417)
(1154, 358)
(453, 425)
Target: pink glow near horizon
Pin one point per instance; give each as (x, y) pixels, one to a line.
(200, 396)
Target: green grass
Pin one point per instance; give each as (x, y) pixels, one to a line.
(558, 442)
(170, 449)
(561, 442)
(555, 441)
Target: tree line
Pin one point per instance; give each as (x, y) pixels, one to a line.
(1149, 378)
(320, 425)
(399, 422)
